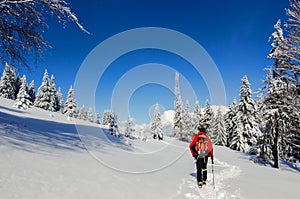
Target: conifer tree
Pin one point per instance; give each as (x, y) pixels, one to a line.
(219, 130)
(197, 116)
(82, 113)
(90, 115)
(187, 124)
(97, 121)
(31, 91)
(293, 39)
(106, 116)
(156, 128)
(113, 124)
(23, 100)
(43, 99)
(238, 141)
(178, 114)
(129, 130)
(7, 83)
(281, 104)
(247, 127)
(17, 85)
(70, 105)
(280, 53)
(208, 118)
(230, 123)
(53, 95)
(60, 100)
(279, 118)
(269, 141)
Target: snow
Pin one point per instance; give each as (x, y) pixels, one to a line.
(48, 156)
(168, 115)
(222, 108)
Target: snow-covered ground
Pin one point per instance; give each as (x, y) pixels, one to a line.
(46, 155)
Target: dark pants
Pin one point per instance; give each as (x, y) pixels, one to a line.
(201, 165)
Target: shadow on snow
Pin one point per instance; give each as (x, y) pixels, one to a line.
(35, 135)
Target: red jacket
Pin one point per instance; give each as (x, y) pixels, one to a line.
(209, 145)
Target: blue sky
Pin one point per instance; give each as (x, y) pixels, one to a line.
(233, 32)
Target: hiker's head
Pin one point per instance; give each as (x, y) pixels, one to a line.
(201, 129)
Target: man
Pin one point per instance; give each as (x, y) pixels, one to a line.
(201, 148)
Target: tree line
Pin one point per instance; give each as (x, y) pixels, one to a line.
(14, 87)
(268, 126)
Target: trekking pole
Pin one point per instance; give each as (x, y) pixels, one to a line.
(212, 169)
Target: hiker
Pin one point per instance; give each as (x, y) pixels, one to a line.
(201, 148)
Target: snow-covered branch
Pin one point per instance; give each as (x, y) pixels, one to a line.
(15, 2)
(22, 23)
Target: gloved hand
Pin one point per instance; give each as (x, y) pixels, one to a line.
(212, 159)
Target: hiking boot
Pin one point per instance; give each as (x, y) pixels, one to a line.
(200, 184)
(204, 182)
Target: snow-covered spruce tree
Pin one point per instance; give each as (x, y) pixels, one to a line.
(17, 86)
(43, 99)
(268, 142)
(178, 114)
(113, 124)
(82, 113)
(23, 100)
(281, 103)
(187, 124)
(208, 118)
(31, 91)
(247, 126)
(7, 83)
(219, 135)
(156, 127)
(90, 115)
(280, 119)
(276, 85)
(129, 130)
(70, 105)
(23, 23)
(106, 116)
(60, 100)
(53, 95)
(177, 106)
(275, 139)
(197, 117)
(238, 140)
(281, 54)
(293, 38)
(97, 121)
(229, 122)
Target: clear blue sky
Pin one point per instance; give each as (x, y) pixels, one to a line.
(233, 32)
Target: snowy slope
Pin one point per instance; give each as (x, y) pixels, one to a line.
(46, 155)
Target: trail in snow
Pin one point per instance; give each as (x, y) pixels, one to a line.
(223, 171)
